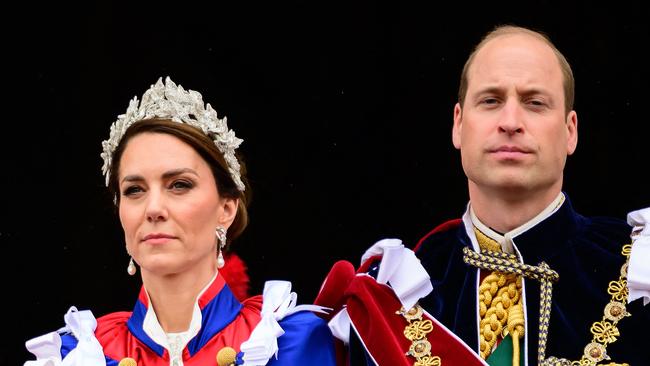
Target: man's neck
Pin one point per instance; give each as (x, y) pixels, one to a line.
(506, 213)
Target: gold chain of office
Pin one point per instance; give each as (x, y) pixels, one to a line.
(604, 331)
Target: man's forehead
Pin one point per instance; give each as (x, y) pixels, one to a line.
(515, 57)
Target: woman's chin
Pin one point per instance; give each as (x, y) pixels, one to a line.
(163, 266)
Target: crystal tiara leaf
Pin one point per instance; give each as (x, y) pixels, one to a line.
(167, 100)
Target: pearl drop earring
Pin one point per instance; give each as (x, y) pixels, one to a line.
(221, 236)
(131, 267)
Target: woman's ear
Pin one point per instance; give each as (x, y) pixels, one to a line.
(228, 211)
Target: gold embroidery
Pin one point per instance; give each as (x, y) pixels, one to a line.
(416, 331)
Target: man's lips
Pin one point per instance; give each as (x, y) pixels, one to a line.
(510, 148)
(509, 152)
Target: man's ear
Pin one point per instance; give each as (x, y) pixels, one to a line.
(458, 124)
(572, 132)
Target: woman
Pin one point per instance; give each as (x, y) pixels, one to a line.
(181, 195)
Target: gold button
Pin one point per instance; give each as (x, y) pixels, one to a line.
(127, 361)
(226, 356)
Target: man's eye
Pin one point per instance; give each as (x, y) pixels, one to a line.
(490, 101)
(536, 103)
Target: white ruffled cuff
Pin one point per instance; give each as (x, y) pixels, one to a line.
(88, 352)
(638, 272)
(46, 348)
(402, 270)
(278, 302)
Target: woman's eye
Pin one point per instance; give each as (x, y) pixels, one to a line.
(132, 190)
(179, 185)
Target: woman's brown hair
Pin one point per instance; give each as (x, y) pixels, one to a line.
(206, 148)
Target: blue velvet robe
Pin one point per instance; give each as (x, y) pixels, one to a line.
(586, 253)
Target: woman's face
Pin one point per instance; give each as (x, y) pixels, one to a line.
(170, 206)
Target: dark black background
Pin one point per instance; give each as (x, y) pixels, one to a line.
(345, 109)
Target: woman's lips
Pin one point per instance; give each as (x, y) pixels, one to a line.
(157, 238)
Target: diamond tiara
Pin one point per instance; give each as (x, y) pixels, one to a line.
(167, 100)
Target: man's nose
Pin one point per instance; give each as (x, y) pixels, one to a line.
(511, 118)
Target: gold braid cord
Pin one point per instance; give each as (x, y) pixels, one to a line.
(509, 264)
(416, 331)
(605, 331)
(500, 306)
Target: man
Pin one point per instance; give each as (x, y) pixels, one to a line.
(521, 279)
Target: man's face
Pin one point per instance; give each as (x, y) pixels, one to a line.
(512, 130)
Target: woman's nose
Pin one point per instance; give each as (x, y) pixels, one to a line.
(156, 210)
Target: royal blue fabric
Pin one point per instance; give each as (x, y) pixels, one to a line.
(307, 341)
(216, 315)
(69, 342)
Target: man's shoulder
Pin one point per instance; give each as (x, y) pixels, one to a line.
(439, 236)
(608, 233)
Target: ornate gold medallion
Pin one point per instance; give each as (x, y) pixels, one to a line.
(416, 331)
(615, 311)
(595, 352)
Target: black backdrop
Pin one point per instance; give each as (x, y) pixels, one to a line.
(345, 109)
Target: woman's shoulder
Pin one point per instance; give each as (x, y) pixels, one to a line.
(300, 322)
(110, 321)
(110, 329)
(59, 344)
(253, 303)
(287, 334)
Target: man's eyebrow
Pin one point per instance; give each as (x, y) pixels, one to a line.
(493, 89)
